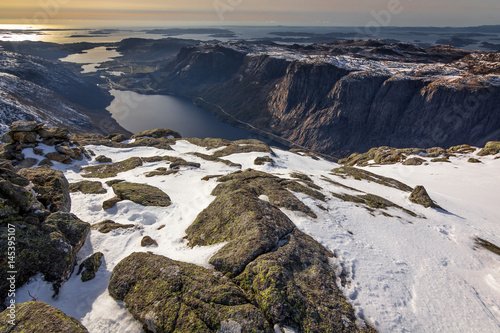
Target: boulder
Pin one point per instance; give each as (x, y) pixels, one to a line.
(45, 163)
(263, 160)
(88, 268)
(38, 317)
(61, 158)
(157, 133)
(420, 196)
(491, 148)
(114, 181)
(16, 200)
(7, 138)
(24, 137)
(53, 132)
(111, 170)
(87, 187)
(110, 203)
(103, 159)
(142, 194)
(171, 296)
(26, 163)
(38, 151)
(116, 137)
(414, 161)
(51, 186)
(148, 241)
(24, 126)
(473, 160)
(108, 225)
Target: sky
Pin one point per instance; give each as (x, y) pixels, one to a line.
(252, 12)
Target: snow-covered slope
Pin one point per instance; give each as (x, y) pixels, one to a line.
(402, 273)
(24, 100)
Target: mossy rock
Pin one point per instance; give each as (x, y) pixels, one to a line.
(87, 187)
(473, 160)
(249, 225)
(171, 296)
(148, 241)
(380, 155)
(295, 286)
(461, 149)
(441, 160)
(161, 172)
(141, 194)
(57, 157)
(277, 189)
(216, 159)
(263, 160)
(103, 159)
(114, 181)
(436, 152)
(491, 148)
(108, 225)
(487, 245)
(420, 196)
(239, 147)
(15, 199)
(110, 203)
(38, 317)
(361, 174)
(414, 161)
(300, 176)
(51, 186)
(88, 268)
(372, 202)
(175, 162)
(157, 133)
(111, 170)
(209, 143)
(49, 248)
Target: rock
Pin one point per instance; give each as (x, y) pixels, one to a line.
(88, 268)
(473, 160)
(251, 227)
(38, 151)
(141, 194)
(53, 132)
(111, 170)
(13, 177)
(414, 161)
(295, 286)
(24, 126)
(51, 186)
(103, 159)
(110, 203)
(148, 241)
(65, 159)
(172, 296)
(45, 163)
(216, 159)
(7, 138)
(441, 159)
(263, 160)
(277, 189)
(38, 317)
(6, 164)
(65, 150)
(491, 148)
(108, 225)
(461, 149)
(244, 146)
(16, 200)
(157, 133)
(24, 137)
(117, 137)
(87, 187)
(300, 176)
(26, 163)
(421, 197)
(114, 181)
(161, 172)
(360, 174)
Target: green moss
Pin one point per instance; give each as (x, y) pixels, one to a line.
(87, 187)
(142, 194)
(491, 148)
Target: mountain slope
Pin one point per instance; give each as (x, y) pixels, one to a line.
(346, 96)
(403, 267)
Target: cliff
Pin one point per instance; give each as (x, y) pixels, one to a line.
(346, 96)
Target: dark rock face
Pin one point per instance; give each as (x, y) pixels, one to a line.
(51, 186)
(38, 317)
(339, 106)
(172, 296)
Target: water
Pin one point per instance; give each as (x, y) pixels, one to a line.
(92, 58)
(136, 113)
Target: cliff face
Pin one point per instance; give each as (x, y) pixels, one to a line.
(347, 96)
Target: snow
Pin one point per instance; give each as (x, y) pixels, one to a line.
(403, 273)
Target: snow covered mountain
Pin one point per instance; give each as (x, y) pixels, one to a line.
(403, 267)
(33, 88)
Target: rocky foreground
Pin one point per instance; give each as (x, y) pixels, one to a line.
(191, 239)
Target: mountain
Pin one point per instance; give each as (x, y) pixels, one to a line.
(32, 88)
(164, 233)
(346, 96)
